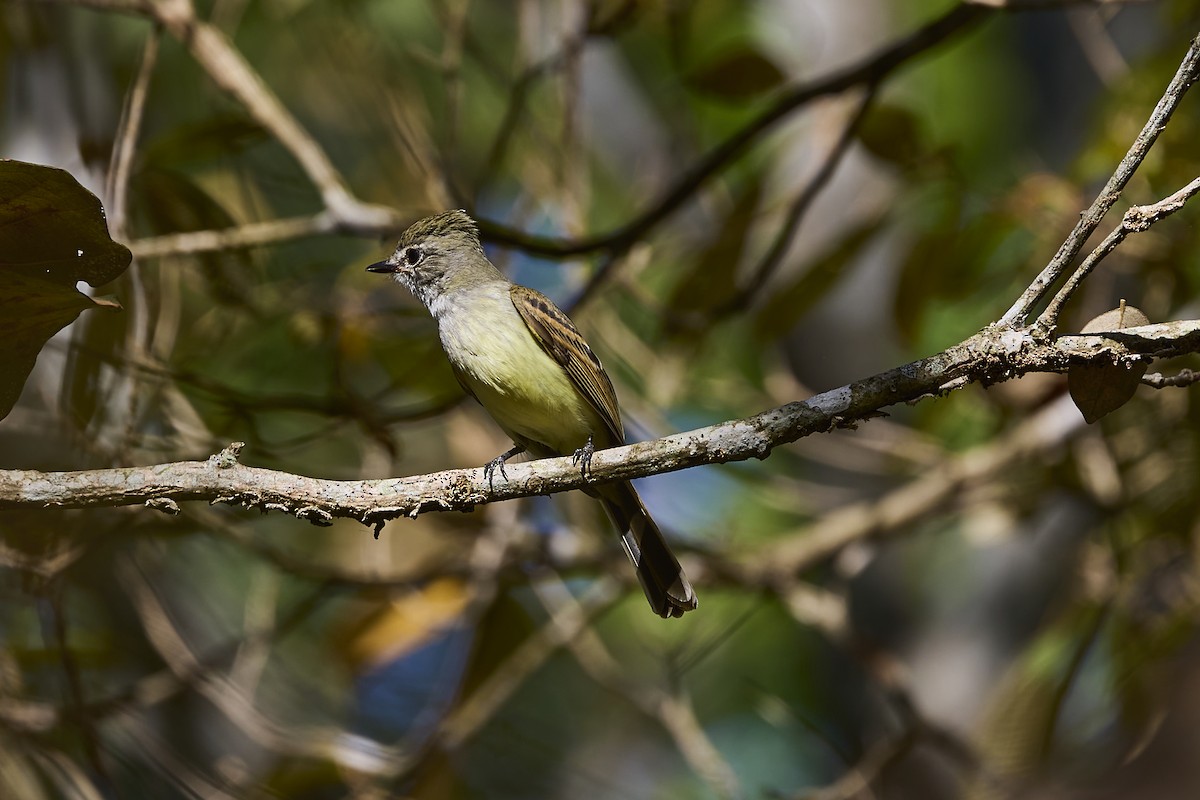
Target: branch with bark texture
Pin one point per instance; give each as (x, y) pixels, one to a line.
(990, 356)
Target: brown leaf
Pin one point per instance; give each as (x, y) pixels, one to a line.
(1098, 389)
(52, 235)
(52, 227)
(32, 309)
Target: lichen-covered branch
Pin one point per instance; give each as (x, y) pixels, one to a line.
(993, 355)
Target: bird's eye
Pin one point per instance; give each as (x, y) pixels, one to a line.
(413, 256)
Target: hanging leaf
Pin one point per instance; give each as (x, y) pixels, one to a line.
(52, 235)
(1098, 389)
(52, 227)
(32, 310)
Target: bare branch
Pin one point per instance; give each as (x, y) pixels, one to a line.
(230, 71)
(792, 553)
(1185, 377)
(991, 356)
(1090, 219)
(1136, 220)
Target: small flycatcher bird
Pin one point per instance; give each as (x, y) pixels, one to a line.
(519, 355)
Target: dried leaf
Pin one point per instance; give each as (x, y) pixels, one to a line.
(1098, 389)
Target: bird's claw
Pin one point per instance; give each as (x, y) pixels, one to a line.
(489, 469)
(583, 457)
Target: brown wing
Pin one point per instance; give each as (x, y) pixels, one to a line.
(562, 341)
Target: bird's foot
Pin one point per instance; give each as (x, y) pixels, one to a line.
(583, 457)
(489, 469)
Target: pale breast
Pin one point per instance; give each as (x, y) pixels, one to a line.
(524, 389)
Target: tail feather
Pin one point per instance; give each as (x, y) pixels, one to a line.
(658, 570)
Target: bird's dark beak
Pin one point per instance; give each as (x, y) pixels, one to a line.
(382, 266)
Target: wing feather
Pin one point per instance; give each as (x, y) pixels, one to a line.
(563, 342)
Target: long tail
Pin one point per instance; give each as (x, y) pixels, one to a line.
(658, 570)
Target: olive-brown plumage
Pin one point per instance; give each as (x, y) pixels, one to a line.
(523, 359)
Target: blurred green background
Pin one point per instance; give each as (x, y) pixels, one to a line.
(1012, 611)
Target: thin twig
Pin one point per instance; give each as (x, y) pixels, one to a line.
(674, 712)
(127, 136)
(75, 691)
(230, 71)
(1185, 377)
(565, 624)
(1090, 219)
(870, 70)
(254, 234)
(1135, 220)
(771, 260)
(856, 782)
(795, 552)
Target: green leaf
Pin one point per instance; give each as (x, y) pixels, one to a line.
(892, 133)
(736, 75)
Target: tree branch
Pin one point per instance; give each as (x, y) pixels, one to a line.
(1136, 220)
(1185, 76)
(990, 356)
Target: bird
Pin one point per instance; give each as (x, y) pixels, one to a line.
(516, 352)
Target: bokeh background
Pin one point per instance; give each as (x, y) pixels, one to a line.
(982, 595)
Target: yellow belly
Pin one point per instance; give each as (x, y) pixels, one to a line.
(526, 391)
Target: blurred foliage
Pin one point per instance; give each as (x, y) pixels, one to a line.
(1028, 618)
